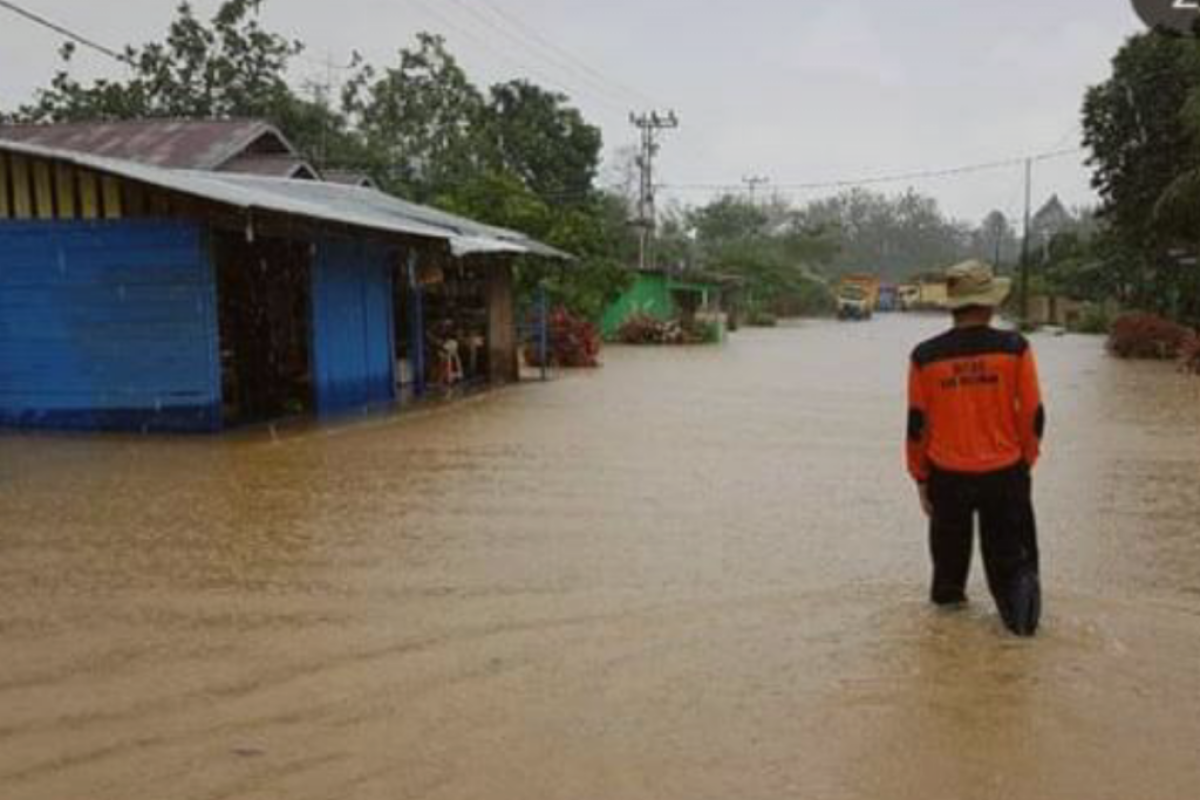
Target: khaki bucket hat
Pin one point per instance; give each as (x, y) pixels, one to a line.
(972, 283)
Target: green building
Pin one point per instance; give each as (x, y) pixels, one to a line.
(685, 297)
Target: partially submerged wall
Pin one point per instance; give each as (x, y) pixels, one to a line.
(107, 326)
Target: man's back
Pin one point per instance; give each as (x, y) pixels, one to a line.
(975, 404)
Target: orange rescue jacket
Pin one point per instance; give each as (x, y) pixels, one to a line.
(974, 403)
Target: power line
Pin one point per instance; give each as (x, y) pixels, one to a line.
(598, 87)
(484, 44)
(64, 31)
(885, 179)
(532, 34)
(524, 41)
(329, 64)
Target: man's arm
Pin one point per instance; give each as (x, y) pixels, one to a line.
(1031, 413)
(917, 447)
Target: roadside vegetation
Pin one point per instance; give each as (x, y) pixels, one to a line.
(512, 154)
(642, 329)
(522, 156)
(1148, 336)
(571, 343)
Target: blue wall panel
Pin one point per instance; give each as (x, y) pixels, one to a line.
(353, 336)
(108, 326)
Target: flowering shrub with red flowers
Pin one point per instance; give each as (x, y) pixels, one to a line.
(1191, 355)
(1147, 336)
(573, 343)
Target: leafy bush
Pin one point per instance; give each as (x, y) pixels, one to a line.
(810, 297)
(573, 343)
(1148, 336)
(707, 332)
(762, 319)
(1191, 355)
(1095, 320)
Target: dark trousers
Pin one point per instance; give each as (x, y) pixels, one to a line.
(1003, 502)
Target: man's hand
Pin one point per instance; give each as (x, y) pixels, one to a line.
(926, 504)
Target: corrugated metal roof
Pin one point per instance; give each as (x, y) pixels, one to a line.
(348, 177)
(275, 166)
(176, 144)
(328, 202)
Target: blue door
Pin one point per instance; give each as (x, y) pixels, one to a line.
(353, 334)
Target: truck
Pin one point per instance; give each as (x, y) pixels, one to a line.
(857, 297)
(889, 298)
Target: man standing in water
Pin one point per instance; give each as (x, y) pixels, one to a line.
(975, 425)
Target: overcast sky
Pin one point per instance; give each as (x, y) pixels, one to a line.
(799, 91)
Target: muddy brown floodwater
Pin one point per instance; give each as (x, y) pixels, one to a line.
(693, 574)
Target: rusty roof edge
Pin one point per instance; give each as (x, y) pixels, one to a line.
(238, 146)
(241, 134)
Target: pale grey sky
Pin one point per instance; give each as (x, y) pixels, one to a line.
(800, 91)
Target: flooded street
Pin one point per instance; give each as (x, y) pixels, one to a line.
(693, 574)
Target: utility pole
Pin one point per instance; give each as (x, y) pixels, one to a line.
(752, 183)
(1025, 241)
(650, 124)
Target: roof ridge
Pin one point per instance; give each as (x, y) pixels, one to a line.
(142, 121)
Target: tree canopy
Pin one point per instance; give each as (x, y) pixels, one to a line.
(1142, 126)
(513, 154)
(521, 156)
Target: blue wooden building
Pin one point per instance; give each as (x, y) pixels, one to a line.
(139, 298)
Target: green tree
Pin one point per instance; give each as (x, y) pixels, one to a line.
(538, 161)
(675, 245)
(228, 68)
(893, 237)
(598, 234)
(728, 219)
(421, 120)
(1144, 152)
(516, 156)
(770, 248)
(537, 136)
(995, 241)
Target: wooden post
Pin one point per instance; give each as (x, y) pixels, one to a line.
(416, 322)
(5, 210)
(502, 324)
(543, 332)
